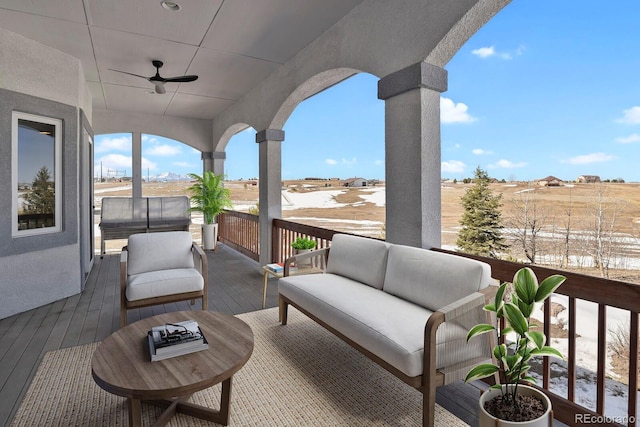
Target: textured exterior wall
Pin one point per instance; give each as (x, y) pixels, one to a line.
(38, 270)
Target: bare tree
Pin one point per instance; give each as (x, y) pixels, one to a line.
(601, 242)
(526, 223)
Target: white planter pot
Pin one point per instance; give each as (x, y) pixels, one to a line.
(488, 420)
(209, 236)
(304, 262)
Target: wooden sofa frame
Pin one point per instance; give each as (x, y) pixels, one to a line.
(425, 383)
(200, 262)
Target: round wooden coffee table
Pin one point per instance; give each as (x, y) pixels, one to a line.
(121, 365)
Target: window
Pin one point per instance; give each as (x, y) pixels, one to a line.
(36, 173)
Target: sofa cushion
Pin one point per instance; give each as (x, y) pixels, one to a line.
(159, 251)
(358, 258)
(387, 326)
(163, 282)
(433, 279)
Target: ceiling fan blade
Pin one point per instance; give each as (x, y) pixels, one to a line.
(131, 74)
(160, 88)
(181, 79)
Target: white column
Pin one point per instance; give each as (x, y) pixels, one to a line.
(270, 186)
(136, 172)
(412, 150)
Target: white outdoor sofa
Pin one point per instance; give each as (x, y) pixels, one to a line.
(405, 308)
(121, 217)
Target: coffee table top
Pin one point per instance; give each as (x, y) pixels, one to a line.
(121, 364)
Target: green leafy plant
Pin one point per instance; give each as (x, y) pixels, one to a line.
(208, 195)
(512, 358)
(302, 243)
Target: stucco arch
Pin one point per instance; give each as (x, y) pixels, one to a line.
(195, 133)
(307, 89)
(223, 141)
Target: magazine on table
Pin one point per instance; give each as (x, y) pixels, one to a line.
(175, 339)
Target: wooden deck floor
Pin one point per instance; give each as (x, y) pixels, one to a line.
(235, 287)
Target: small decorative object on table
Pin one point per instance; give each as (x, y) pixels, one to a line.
(302, 245)
(175, 339)
(510, 401)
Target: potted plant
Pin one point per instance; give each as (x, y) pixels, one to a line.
(302, 245)
(209, 196)
(511, 401)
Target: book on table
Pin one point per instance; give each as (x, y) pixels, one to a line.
(175, 339)
(278, 267)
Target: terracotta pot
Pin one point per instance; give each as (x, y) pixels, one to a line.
(488, 420)
(209, 236)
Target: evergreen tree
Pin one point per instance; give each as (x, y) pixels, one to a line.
(41, 198)
(481, 232)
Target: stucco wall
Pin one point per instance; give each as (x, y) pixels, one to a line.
(34, 78)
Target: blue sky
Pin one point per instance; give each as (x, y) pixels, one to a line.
(545, 88)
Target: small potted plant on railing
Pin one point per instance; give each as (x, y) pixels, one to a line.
(302, 245)
(510, 400)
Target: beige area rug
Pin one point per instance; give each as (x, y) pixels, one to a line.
(298, 375)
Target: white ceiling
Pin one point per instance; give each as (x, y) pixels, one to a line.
(232, 45)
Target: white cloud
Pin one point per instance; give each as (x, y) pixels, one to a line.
(507, 164)
(480, 151)
(586, 159)
(484, 52)
(163, 150)
(634, 137)
(631, 116)
(378, 162)
(351, 161)
(452, 166)
(487, 52)
(450, 112)
(122, 143)
(149, 138)
(331, 162)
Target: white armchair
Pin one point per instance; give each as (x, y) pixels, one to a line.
(158, 268)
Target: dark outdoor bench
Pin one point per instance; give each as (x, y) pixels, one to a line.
(121, 217)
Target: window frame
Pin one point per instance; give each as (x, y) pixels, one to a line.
(57, 173)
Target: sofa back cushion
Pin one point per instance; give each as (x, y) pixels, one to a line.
(433, 279)
(358, 258)
(159, 251)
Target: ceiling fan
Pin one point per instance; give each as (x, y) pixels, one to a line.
(158, 80)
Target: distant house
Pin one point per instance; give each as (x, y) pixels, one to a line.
(588, 179)
(355, 182)
(550, 181)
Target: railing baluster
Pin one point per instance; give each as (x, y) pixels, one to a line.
(571, 380)
(632, 409)
(602, 358)
(546, 363)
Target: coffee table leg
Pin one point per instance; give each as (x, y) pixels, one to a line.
(134, 407)
(225, 402)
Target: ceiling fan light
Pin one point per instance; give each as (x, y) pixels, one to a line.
(171, 5)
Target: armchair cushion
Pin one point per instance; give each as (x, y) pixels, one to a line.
(163, 282)
(159, 251)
